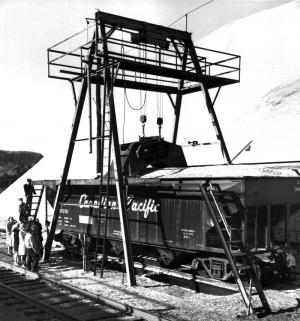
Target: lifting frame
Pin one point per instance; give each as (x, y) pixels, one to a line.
(171, 64)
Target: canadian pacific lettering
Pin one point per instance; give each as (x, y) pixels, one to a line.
(145, 206)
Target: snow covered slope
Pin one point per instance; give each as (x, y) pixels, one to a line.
(264, 105)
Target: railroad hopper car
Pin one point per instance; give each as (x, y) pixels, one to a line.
(169, 221)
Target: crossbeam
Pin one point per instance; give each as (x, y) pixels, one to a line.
(137, 25)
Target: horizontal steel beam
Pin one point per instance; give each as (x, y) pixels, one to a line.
(211, 82)
(137, 25)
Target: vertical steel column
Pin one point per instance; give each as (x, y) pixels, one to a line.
(119, 180)
(84, 254)
(179, 98)
(46, 207)
(63, 181)
(98, 107)
(98, 134)
(208, 101)
(269, 227)
(287, 226)
(89, 85)
(255, 228)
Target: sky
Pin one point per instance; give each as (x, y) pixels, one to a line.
(36, 112)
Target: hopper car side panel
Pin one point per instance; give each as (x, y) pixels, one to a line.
(176, 223)
(279, 200)
(170, 221)
(273, 191)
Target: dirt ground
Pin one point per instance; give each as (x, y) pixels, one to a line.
(168, 301)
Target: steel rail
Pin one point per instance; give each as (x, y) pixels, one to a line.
(13, 290)
(109, 302)
(38, 304)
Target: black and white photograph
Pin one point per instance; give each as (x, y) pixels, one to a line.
(150, 160)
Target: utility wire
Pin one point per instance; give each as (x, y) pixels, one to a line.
(204, 4)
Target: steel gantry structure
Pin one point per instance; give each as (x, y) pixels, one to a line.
(133, 54)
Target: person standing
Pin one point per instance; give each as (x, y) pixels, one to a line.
(15, 241)
(45, 232)
(22, 249)
(39, 229)
(23, 216)
(34, 248)
(29, 190)
(11, 221)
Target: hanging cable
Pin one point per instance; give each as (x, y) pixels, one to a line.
(138, 108)
(124, 116)
(159, 96)
(126, 96)
(186, 14)
(143, 111)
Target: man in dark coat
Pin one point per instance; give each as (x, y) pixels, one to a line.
(23, 213)
(34, 248)
(29, 191)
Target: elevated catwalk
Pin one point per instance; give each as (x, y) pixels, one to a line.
(149, 57)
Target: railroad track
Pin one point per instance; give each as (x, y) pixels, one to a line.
(43, 299)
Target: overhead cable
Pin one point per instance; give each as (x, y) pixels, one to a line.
(185, 15)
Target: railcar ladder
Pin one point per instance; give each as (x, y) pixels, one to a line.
(36, 200)
(104, 175)
(229, 230)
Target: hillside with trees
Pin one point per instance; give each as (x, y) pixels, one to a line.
(14, 164)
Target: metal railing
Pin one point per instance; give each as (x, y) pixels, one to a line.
(144, 63)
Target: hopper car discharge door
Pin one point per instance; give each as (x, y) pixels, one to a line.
(228, 226)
